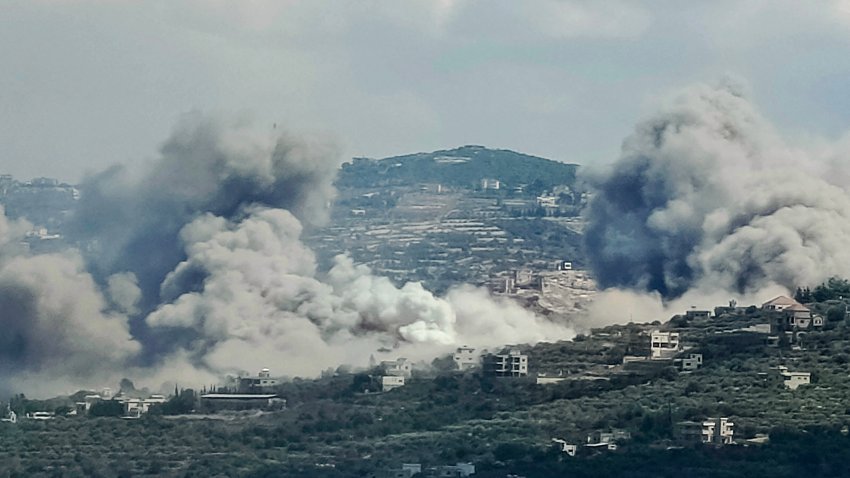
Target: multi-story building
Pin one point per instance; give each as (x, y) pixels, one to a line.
(511, 364)
(718, 431)
(663, 345)
(465, 358)
(259, 384)
(399, 368)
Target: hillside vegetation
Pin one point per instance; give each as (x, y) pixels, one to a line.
(460, 167)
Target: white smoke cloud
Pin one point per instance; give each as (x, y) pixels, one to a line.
(263, 303)
(707, 197)
(56, 324)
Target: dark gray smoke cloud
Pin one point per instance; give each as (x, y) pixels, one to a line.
(706, 195)
(131, 217)
(56, 324)
(194, 268)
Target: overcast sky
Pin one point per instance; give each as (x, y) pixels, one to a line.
(88, 83)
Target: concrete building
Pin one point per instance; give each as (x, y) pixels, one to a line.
(511, 364)
(792, 380)
(798, 316)
(568, 448)
(262, 383)
(778, 304)
(697, 314)
(607, 440)
(400, 367)
(691, 362)
(136, 407)
(390, 382)
(465, 358)
(663, 345)
(718, 431)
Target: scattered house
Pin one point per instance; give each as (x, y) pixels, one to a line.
(610, 438)
(488, 183)
(397, 368)
(718, 431)
(778, 304)
(390, 382)
(563, 266)
(136, 407)
(511, 364)
(698, 314)
(663, 345)
(799, 316)
(465, 358)
(568, 448)
(691, 362)
(259, 384)
(792, 380)
(732, 308)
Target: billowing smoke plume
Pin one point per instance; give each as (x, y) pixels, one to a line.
(56, 325)
(193, 267)
(706, 196)
(133, 216)
(263, 301)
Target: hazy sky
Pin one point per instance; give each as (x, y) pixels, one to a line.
(87, 83)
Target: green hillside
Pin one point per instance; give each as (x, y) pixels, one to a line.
(461, 167)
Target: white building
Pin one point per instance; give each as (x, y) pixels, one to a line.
(792, 380)
(136, 407)
(511, 364)
(465, 358)
(663, 345)
(390, 382)
(400, 367)
(259, 384)
(718, 431)
(568, 448)
(488, 183)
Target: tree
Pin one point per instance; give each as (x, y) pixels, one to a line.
(107, 408)
(836, 313)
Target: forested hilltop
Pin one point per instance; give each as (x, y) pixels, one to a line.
(465, 166)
